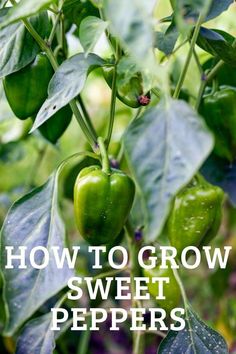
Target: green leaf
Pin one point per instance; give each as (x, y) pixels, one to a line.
(2, 3)
(25, 8)
(38, 333)
(34, 220)
(165, 42)
(97, 3)
(196, 338)
(17, 46)
(76, 10)
(165, 148)
(67, 83)
(91, 29)
(219, 44)
(12, 152)
(132, 24)
(2, 312)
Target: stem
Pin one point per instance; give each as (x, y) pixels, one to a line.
(62, 34)
(85, 338)
(210, 77)
(138, 338)
(197, 62)
(200, 94)
(183, 293)
(109, 37)
(112, 109)
(87, 117)
(190, 53)
(82, 124)
(104, 155)
(54, 28)
(156, 92)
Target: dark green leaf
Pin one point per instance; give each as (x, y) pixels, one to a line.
(165, 147)
(12, 152)
(222, 173)
(196, 338)
(217, 7)
(33, 220)
(23, 9)
(225, 75)
(37, 337)
(67, 83)
(187, 12)
(219, 44)
(17, 46)
(91, 29)
(165, 42)
(77, 10)
(191, 9)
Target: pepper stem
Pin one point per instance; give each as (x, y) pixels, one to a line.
(105, 160)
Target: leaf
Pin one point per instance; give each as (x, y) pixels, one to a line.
(2, 3)
(17, 46)
(32, 221)
(165, 42)
(219, 44)
(2, 312)
(187, 12)
(221, 173)
(191, 9)
(217, 7)
(76, 10)
(131, 23)
(91, 29)
(23, 9)
(97, 3)
(196, 338)
(165, 147)
(67, 83)
(12, 152)
(37, 337)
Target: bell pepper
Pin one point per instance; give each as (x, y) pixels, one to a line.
(196, 215)
(102, 202)
(26, 91)
(131, 93)
(219, 111)
(171, 290)
(55, 126)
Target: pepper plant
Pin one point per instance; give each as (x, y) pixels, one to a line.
(166, 180)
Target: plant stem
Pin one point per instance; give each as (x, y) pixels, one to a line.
(105, 160)
(44, 46)
(138, 338)
(177, 277)
(210, 76)
(190, 53)
(54, 28)
(113, 108)
(85, 338)
(197, 61)
(87, 117)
